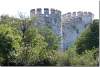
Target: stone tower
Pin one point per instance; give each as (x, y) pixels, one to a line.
(50, 17)
(73, 24)
(68, 26)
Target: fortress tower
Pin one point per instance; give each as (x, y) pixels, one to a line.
(73, 24)
(49, 17)
(68, 25)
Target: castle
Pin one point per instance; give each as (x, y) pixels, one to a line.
(68, 25)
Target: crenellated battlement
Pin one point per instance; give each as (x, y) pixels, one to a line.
(68, 25)
(78, 14)
(45, 11)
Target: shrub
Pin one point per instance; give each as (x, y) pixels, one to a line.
(87, 58)
(89, 38)
(10, 41)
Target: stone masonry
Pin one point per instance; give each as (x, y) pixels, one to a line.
(68, 26)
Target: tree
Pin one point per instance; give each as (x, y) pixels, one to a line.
(37, 46)
(89, 39)
(9, 43)
(35, 49)
(84, 59)
(85, 51)
(33, 44)
(50, 37)
(49, 55)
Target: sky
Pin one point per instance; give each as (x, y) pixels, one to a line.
(14, 7)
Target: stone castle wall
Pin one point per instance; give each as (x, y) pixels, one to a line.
(48, 16)
(68, 25)
(45, 12)
(73, 24)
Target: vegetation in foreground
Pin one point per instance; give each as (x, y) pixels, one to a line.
(21, 43)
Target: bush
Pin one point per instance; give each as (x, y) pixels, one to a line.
(10, 42)
(72, 58)
(50, 37)
(87, 59)
(33, 44)
(48, 58)
(1, 60)
(68, 57)
(89, 39)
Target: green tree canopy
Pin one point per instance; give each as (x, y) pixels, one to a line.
(10, 41)
(89, 38)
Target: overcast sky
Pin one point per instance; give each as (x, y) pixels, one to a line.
(12, 7)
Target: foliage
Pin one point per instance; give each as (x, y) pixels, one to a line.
(33, 44)
(87, 58)
(22, 43)
(9, 43)
(52, 39)
(37, 50)
(48, 58)
(48, 54)
(72, 58)
(85, 51)
(89, 38)
(1, 60)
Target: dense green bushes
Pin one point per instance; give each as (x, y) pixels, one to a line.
(30, 47)
(89, 39)
(86, 58)
(39, 46)
(10, 42)
(85, 50)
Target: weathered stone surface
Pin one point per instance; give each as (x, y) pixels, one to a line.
(68, 25)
